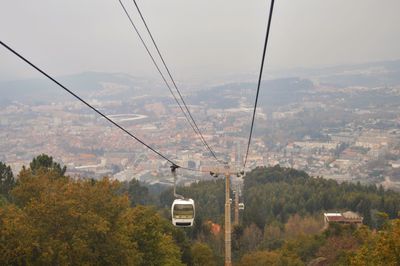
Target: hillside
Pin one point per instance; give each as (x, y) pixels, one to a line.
(284, 192)
(98, 85)
(47, 217)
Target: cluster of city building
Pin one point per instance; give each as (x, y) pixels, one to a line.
(364, 148)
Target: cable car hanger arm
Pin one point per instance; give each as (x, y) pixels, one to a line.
(173, 171)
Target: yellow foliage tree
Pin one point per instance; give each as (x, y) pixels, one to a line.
(202, 255)
(298, 226)
(153, 236)
(268, 258)
(381, 248)
(18, 239)
(60, 221)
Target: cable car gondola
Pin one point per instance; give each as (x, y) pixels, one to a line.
(183, 212)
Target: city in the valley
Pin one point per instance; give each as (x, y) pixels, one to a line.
(339, 123)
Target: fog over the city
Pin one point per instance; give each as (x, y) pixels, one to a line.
(201, 40)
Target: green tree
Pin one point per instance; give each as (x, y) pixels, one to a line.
(3, 201)
(284, 192)
(252, 237)
(7, 181)
(202, 255)
(153, 236)
(303, 247)
(273, 236)
(45, 163)
(138, 194)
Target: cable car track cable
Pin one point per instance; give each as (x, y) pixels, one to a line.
(259, 80)
(191, 121)
(93, 108)
(156, 65)
(173, 80)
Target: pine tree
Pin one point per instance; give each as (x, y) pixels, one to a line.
(7, 181)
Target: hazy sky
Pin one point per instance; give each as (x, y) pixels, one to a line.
(201, 39)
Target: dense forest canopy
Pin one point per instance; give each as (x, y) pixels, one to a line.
(48, 218)
(55, 220)
(283, 192)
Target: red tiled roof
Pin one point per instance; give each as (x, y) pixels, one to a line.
(335, 218)
(352, 218)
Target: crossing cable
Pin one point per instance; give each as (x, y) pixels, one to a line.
(93, 108)
(173, 80)
(259, 79)
(188, 116)
(155, 63)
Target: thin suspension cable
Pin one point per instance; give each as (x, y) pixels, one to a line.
(101, 114)
(156, 65)
(259, 79)
(174, 83)
(87, 104)
(194, 170)
(165, 81)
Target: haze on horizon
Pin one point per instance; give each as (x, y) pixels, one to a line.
(201, 40)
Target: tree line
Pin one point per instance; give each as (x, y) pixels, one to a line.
(283, 192)
(48, 218)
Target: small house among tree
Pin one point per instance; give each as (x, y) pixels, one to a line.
(342, 218)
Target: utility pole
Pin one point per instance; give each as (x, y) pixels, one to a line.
(236, 219)
(228, 227)
(228, 256)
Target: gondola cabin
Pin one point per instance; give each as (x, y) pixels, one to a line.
(241, 206)
(182, 211)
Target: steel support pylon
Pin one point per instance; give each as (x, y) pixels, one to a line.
(228, 251)
(236, 219)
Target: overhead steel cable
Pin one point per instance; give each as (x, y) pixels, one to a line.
(259, 80)
(156, 65)
(188, 116)
(93, 108)
(173, 81)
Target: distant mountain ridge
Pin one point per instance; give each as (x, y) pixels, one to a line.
(272, 92)
(281, 90)
(84, 84)
(373, 74)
